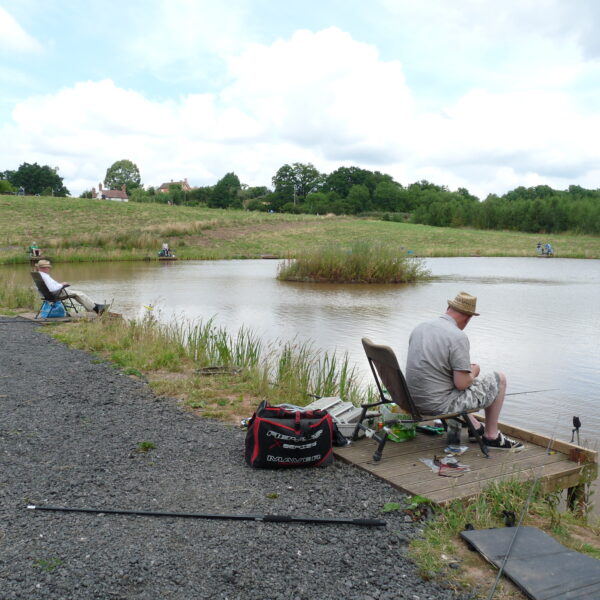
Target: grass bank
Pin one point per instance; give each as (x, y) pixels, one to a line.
(210, 370)
(442, 554)
(360, 262)
(75, 229)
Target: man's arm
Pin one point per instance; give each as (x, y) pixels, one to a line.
(464, 379)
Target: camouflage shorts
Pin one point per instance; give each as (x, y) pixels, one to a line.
(482, 392)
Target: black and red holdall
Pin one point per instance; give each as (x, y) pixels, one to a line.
(280, 437)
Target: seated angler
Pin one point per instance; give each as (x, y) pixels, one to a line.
(442, 379)
(34, 251)
(44, 266)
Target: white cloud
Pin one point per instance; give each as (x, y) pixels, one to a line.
(14, 38)
(319, 97)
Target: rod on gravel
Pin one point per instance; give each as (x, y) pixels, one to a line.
(264, 518)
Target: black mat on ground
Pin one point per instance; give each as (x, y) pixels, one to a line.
(542, 567)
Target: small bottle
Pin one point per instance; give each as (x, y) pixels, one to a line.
(453, 432)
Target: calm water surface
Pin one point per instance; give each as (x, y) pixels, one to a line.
(539, 323)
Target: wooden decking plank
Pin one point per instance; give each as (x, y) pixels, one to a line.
(362, 451)
(493, 470)
(556, 476)
(438, 482)
(402, 468)
(407, 466)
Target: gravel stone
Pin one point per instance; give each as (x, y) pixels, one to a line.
(69, 434)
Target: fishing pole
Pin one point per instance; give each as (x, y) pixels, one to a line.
(532, 392)
(264, 518)
(523, 512)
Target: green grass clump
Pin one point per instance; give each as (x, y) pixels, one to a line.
(361, 262)
(441, 543)
(13, 295)
(145, 446)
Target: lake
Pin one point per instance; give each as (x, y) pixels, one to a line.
(539, 323)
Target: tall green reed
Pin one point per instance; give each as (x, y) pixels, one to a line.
(361, 262)
(14, 295)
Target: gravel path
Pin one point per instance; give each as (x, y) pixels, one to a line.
(69, 429)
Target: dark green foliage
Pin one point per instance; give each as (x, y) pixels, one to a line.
(122, 172)
(537, 209)
(293, 183)
(35, 179)
(225, 193)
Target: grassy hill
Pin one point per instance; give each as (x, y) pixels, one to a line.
(75, 229)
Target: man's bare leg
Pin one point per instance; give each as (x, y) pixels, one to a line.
(492, 412)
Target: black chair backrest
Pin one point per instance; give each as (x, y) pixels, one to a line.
(388, 375)
(45, 293)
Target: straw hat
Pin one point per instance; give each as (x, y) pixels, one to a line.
(464, 303)
(43, 263)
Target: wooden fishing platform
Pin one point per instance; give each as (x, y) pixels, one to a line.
(559, 465)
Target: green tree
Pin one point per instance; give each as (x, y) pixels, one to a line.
(123, 172)
(387, 196)
(36, 179)
(293, 183)
(225, 193)
(341, 180)
(358, 199)
(6, 187)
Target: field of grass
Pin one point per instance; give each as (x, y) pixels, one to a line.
(74, 229)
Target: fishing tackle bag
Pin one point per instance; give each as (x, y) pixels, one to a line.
(279, 437)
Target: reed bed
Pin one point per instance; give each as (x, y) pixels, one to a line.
(16, 296)
(247, 369)
(361, 262)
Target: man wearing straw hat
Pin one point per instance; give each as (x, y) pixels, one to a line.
(442, 379)
(44, 266)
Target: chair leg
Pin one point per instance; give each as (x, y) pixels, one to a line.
(380, 447)
(359, 423)
(475, 434)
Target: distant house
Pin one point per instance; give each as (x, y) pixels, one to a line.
(185, 186)
(116, 195)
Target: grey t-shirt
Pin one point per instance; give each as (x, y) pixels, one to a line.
(436, 349)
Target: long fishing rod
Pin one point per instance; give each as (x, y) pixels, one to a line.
(264, 518)
(532, 392)
(523, 512)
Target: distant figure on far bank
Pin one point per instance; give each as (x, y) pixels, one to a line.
(165, 251)
(548, 249)
(539, 248)
(34, 251)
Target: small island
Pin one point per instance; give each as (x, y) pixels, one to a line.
(361, 262)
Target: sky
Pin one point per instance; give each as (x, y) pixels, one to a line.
(479, 94)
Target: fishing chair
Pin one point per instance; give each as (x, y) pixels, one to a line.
(48, 296)
(392, 388)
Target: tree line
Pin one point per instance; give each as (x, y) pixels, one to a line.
(301, 188)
